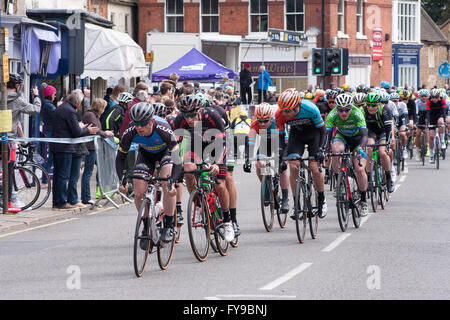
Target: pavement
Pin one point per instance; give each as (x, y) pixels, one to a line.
(45, 214)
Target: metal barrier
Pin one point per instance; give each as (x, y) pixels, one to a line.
(108, 180)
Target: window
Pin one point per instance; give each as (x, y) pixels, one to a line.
(407, 22)
(341, 16)
(360, 17)
(210, 15)
(174, 16)
(126, 22)
(407, 76)
(258, 15)
(430, 57)
(113, 15)
(295, 15)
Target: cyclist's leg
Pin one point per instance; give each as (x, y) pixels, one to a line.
(189, 163)
(144, 166)
(370, 140)
(168, 200)
(338, 145)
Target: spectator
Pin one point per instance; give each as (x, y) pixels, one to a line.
(107, 97)
(264, 82)
(167, 89)
(67, 157)
(225, 83)
(92, 117)
(47, 110)
(115, 93)
(245, 80)
(18, 106)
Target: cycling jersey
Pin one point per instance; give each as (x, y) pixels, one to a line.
(350, 127)
(266, 138)
(402, 119)
(308, 118)
(379, 124)
(435, 110)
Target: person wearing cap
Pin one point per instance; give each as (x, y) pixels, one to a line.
(245, 80)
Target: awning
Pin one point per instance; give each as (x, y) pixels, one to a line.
(111, 54)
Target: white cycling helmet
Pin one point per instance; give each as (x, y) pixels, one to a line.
(344, 101)
(125, 97)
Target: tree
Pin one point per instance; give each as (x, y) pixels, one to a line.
(438, 10)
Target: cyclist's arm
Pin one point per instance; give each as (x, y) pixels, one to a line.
(124, 147)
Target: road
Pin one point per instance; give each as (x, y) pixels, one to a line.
(399, 253)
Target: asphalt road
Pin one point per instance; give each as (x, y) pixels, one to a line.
(398, 253)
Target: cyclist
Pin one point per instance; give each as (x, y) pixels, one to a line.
(265, 126)
(156, 144)
(359, 100)
(321, 103)
(406, 98)
(113, 121)
(351, 133)
(197, 121)
(436, 108)
(379, 125)
(306, 128)
(401, 122)
(421, 105)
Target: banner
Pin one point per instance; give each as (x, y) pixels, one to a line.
(377, 40)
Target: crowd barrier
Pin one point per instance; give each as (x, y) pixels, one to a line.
(105, 150)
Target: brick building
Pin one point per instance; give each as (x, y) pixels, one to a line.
(434, 52)
(228, 32)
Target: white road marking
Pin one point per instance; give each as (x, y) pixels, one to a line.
(397, 186)
(286, 277)
(337, 242)
(38, 227)
(402, 179)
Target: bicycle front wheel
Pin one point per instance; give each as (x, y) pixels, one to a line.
(300, 209)
(219, 232)
(198, 226)
(267, 210)
(313, 216)
(165, 250)
(27, 186)
(42, 175)
(281, 217)
(142, 238)
(342, 201)
(437, 151)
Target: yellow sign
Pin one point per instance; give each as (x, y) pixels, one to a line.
(149, 56)
(5, 120)
(5, 68)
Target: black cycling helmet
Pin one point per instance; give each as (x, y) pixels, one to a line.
(142, 111)
(190, 103)
(361, 88)
(14, 79)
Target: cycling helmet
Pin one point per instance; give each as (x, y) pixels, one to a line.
(142, 111)
(345, 86)
(289, 99)
(339, 90)
(373, 97)
(384, 96)
(190, 103)
(309, 96)
(360, 88)
(344, 101)
(160, 109)
(424, 93)
(125, 97)
(332, 94)
(395, 96)
(301, 94)
(264, 111)
(435, 93)
(14, 79)
(405, 94)
(359, 98)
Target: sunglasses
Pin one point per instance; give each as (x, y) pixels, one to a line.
(140, 123)
(344, 110)
(263, 121)
(395, 100)
(331, 102)
(190, 115)
(404, 99)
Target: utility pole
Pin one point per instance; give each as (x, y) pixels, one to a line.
(5, 116)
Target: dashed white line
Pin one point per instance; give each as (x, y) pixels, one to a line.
(337, 242)
(286, 277)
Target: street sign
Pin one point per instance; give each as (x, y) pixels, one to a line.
(149, 56)
(285, 36)
(444, 70)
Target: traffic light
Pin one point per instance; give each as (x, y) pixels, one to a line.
(336, 61)
(318, 62)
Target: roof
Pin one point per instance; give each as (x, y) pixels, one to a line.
(13, 20)
(429, 31)
(444, 24)
(91, 17)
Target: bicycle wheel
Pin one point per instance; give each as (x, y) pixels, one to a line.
(142, 238)
(281, 217)
(45, 191)
(300, 209)
(165, 250)
(235, 242)
(382, 187)
(267, 211)
(437, 150)
(27, 186)
(398, 155)
(373, 189)
(198, 226)
(313, 216)
(356, 199)
(342, 202)
(423, 148)
(219, 231)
